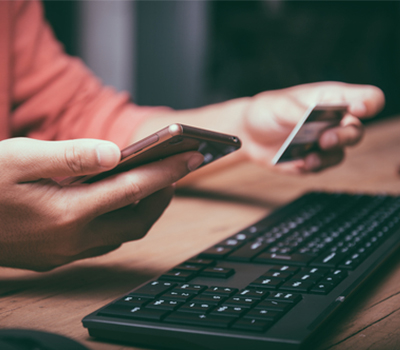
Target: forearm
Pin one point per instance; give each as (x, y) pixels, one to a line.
(225, 117)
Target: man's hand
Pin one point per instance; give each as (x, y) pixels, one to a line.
(271, 116)
(45, 225)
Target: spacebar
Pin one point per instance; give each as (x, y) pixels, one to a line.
(293, 259)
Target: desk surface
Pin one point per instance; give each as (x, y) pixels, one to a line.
(198, 217)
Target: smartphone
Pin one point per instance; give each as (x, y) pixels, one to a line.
(173, 139)
(304, 137)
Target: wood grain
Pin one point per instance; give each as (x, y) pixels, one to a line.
(199, 216)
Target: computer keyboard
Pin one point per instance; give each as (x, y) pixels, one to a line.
(268, 286)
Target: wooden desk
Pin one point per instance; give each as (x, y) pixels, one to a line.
(215, 208)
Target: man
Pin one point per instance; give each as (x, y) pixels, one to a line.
(46, 95)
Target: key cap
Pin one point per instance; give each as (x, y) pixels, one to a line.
(285, 268)
(274, 305)
(153, 289)
(164, 304)
(190, 288)
(255, 293)
(241, 301)
(328, 259)
(199, 261)
(197, 307)
(225, 310)
(265, 282)
(217, 252)
(263, 314)
(136, 313)
(200, 319)
(297, 286)
(223, 291)
(209, 299)
(178, 295)
(179, 276)
(322, 288)
(132, 301)
(285, 297)
(277, 274)
(294, 259)
(217, 272)
(248, 251)
(188, 267)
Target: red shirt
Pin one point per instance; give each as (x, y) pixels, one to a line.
(46, 94)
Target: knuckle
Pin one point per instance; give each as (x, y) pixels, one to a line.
(133, 191)
(74, 160)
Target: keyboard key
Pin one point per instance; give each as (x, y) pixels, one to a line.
(297, 285)
(217, 272)
(225, 310)
(153, 289)
(179, 276)
(218, 252)
(241, 301)
(178, 295)
(322, 288)
(205, 320)
(209, 299)
(315, 271)
(199, 261)
(223, 291)
(190, 288)
(274, 305)
(285, 268)
(285, 297)
(328, 259)
(248, 251)
(252, 325)
(265, 282)
(197, 307)
(294, 259)
(164, 304)
(135, 313)
(132, 301)
(263, 314)
(277, 274)
(231, 243)
(255, 293)
(189, 267)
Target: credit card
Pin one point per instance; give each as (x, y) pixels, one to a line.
(304, 137)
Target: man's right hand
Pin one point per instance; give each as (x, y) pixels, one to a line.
(44, 225)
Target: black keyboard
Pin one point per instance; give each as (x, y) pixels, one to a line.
(269, 286)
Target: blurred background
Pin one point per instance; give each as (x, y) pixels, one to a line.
(186, 54)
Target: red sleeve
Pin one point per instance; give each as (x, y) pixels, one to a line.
(54, 96)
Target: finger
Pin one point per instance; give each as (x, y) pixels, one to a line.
(129, 187)
(363, 100)
(370, 103)
(350, 133)
(30, 160)
(126, 224)
(315, 162)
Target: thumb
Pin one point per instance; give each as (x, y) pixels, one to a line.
(29, 160)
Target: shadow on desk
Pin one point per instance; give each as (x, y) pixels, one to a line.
(226, 197)
(75, 282)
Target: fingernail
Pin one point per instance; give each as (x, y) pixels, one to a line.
(195, 161)
(329, 140)
(107, 155)
(312, 162)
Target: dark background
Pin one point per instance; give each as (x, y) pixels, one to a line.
(262, 45)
